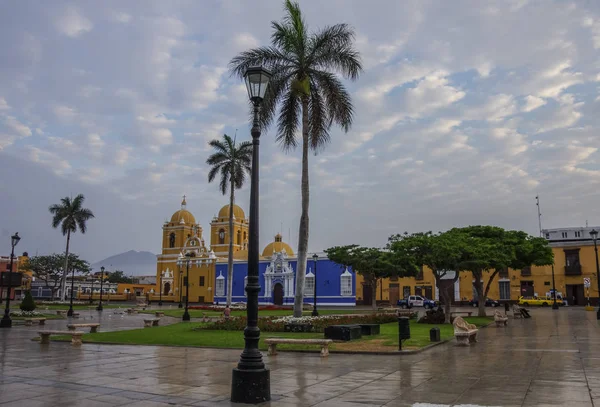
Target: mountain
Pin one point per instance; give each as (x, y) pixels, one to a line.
(131, 263)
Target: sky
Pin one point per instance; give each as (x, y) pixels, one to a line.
(465, 111)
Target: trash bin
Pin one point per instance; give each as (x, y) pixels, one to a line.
(403, 330)
(506, 307)
(434, 334)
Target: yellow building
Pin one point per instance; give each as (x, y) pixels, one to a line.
(574, 265)
(220, 235)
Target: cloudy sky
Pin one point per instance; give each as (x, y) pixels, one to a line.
(465, 111)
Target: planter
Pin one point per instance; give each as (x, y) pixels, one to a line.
(298, 328)
(343, 332)
(370, 329)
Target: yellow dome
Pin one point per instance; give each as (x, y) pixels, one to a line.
(238, 212)
(276, 247)
(184, 214)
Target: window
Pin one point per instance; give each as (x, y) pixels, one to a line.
(346, 284)
(201, 281)
(572, 264)
(222, 236)
(577, 234)
(504, 290)
(547, 235)
(220, 288)
(309, 285)
(172, 240)
(239, 237)
(564, 235)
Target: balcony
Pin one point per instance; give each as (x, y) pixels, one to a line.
(573, 270)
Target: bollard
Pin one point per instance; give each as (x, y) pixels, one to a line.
(434, 334)
(403, 330)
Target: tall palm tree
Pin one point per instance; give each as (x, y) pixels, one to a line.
(232, 161)
(309, 94)
(70, 215)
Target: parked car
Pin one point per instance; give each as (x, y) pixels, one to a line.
(416, 301)
(543, 301)
(488, 303)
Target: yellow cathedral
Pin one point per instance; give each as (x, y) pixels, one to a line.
(185, 252)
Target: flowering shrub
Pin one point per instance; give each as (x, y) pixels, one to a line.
(26, 314)
(57, 302)
(277, 324)
(239, 306)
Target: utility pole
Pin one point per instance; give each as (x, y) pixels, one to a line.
(537, 200)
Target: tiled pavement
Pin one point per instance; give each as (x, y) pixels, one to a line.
(552, 359)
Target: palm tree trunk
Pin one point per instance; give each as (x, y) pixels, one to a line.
(63, 283)
(230, 261)
(303, 230)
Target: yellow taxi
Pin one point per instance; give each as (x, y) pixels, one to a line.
(543, 301)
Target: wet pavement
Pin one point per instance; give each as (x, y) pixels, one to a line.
(552, 359)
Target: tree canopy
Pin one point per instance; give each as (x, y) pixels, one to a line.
(49, 268)
(119, 276)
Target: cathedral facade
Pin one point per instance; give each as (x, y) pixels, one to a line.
(185, 254)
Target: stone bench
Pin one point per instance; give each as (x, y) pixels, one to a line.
(159, 314)
(323, 343)
(151, 322)
(464, 332)
(499, 319)
(131, 311)
(370, 329)
(30, 321)
(75, 336)
(93, 327)
(75, 315)
(459, 313)
(62, 312)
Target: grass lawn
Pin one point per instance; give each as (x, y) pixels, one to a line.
(183, 334)
(198, 313)
(42, 307)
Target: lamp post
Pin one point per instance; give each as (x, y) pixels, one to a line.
(99, 307)
(594, 235)
(315, 313)
(251, 379)
(188, 255)
(161, 290)
(6, 322)
(70, 311)
(92, 291)
(180, 286)
(554, 304)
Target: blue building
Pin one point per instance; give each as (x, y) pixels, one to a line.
(336, 286)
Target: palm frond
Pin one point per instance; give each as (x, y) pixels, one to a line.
(289, 121)
(318, 120)
(225, 173)
(218, 145)
(269, 57)
(337, 98)
(217, 158)
(213, 173)
(333, 49)
(278, 86)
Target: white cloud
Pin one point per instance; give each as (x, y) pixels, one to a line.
(48, 159)
(532, 103)
(4, 104)
(122, 17)
(17, 127)
(160, 137)
(64, 113)
(430, 94)
(72, 23)
(95, 141)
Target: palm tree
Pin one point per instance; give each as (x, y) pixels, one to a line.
(309, 94)
(232, 161)
(70, 215)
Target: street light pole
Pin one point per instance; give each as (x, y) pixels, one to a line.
(6, 322)
(594, 234)
(554, 304)
(99, 307)
(70, 311)
(161, 290)
(180, 288)
(315, 313)
(92, 291)
(251, 381)
(186, 314)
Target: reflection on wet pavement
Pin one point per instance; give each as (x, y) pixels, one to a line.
(552, 359)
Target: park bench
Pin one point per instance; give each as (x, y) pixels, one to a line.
(75, 315)
(519, 312)
(30, 321)
(75, 336)
(159, 314)
(499, 319)
(459, 313)
(62, 312)
(464, 332)
(93, 327)
(323, 343)
(151, 322)
(131, 311)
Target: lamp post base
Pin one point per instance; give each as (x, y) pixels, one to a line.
(160, 303)
(70, 312)
(6, 322)
(99, 307)
(315, 313)
(180, 305)
(555, 306)
(186, 316)
(251, 386)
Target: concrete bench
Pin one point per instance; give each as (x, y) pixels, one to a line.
(75, 315)
(464, 332)
(159, 314)
(131, 311)
(151, 322)
(75, 336)
(323, 343)
(30, 321)
(62, 312)
(459, 313)
(499, 319)
(93, 327)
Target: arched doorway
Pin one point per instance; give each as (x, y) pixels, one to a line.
(278, 294)
(167, 289)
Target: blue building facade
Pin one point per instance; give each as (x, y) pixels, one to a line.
(336, 285)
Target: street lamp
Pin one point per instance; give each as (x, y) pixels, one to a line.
(554, 304)
(188, 255)
(70, 311)
(180, 286)
(6, 322)
(594, 235)
(315, 313)
(92, 291)
(251, 379)
(99, 307)
(161, 289)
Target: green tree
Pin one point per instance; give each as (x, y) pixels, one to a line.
(232, 161)
(310, 96)
(441, 252)
(49, 268)
(27, 304)
(373, 264)
(119, 276)
(71, 216)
